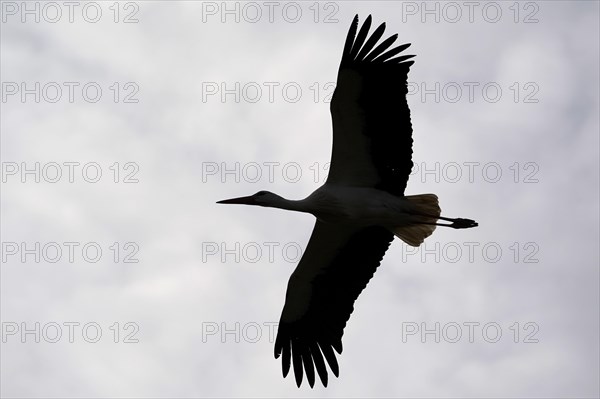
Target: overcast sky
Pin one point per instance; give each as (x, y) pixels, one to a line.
(123, 123)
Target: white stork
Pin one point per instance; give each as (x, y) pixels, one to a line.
(360, 207)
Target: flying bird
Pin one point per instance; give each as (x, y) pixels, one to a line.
(359, 209)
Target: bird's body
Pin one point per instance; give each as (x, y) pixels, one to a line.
(360, 208)
(355, 206)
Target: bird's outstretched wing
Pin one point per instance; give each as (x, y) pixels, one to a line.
(372, 133)
(371, 148)
(338, 263)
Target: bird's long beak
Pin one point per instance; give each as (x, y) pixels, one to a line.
(241, 200)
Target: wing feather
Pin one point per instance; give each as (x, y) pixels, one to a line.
(350, 38)
(381, 48)
(371, 42)
(297, 359)
(319, 362)
(389, 54)
(360, 38)
(307, 359)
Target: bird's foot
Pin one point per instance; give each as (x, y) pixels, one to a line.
(460, 223)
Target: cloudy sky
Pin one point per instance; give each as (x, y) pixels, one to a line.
(123, 123)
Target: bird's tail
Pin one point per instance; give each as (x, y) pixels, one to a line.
(415, 234)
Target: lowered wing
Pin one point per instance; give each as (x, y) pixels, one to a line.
(338, 263)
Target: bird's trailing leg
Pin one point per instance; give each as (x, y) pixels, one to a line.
(415, 233)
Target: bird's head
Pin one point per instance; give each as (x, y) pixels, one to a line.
(261, 198)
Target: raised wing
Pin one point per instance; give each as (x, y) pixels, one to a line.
(338, 263)
(372, 133)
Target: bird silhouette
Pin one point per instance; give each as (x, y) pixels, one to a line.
(359, 209)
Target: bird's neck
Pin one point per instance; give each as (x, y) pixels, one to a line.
(290, 205)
